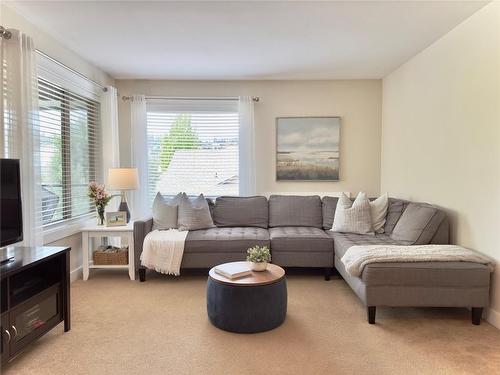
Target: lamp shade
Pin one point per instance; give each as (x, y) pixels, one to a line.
(123, 178)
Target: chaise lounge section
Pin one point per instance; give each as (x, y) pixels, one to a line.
(414, 284)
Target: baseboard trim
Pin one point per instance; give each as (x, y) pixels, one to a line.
(76, 274)
(493, 317)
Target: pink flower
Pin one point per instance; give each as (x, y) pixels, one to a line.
(98, 194)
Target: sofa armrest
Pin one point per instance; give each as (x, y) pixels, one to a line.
(141, 228)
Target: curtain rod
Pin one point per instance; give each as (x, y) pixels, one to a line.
(103, 88)
(254, 98)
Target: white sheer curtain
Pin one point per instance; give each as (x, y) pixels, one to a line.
(110, 146)
(110, 131)
(110, 138)
(19, 126)
(247, 181)
(139, 156)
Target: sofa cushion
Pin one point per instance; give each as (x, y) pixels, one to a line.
(295, 211)
(194, 214)
(378, 210)
(241, 212)
(165, 212)
(220, 240)
(353, 217)
(418, 224)
(432, 274)
(343, 241)
(300, 239)
(430, 230)
(394, 212)
(329, 206)
(442, 235)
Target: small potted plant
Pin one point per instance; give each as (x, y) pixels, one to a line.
(259, 256)
(100, 198)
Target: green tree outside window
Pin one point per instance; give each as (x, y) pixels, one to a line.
(180, 137)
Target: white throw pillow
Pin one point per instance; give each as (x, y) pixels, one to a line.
(378, 209)
(165, 212)
(353, 217)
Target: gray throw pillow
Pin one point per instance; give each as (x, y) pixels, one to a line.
(415, 224)
(194, 214)
(165, 212)
(353, 217)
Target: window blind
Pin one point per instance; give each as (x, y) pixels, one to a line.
(192, 146)
(69, 143)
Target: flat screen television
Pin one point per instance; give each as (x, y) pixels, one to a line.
(11, 219)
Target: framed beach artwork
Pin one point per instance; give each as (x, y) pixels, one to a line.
(307, 148)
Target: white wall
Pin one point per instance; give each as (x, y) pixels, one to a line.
(441, 133)
(357, 102)
(10, 19)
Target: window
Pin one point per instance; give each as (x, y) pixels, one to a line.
(68, 125)
(192, 146)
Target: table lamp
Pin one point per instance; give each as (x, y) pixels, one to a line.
(123, 179)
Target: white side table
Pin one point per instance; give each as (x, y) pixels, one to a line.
(100, 231)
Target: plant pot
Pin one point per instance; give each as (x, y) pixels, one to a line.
(261, 266)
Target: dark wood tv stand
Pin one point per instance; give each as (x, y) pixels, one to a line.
(35, 296)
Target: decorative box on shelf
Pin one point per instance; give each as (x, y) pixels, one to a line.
(110, 255)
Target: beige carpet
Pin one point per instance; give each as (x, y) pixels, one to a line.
(161, 327)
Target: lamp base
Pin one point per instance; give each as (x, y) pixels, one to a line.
(124, 207)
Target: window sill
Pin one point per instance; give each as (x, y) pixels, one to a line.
(66, 229)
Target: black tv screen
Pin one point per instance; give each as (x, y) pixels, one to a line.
(11, 219)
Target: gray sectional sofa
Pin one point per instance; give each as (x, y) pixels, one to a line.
(297, 230)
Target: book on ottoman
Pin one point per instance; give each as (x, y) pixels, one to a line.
(233, 270)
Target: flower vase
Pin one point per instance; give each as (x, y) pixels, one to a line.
(100, 215)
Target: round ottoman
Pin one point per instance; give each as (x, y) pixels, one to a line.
(253, 303)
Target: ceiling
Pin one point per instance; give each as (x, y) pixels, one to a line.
(246, 39)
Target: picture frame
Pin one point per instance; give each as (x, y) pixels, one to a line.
(116, 219)
(308, 148)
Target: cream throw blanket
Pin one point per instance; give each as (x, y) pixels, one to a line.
(357, 257)
(163, 251)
